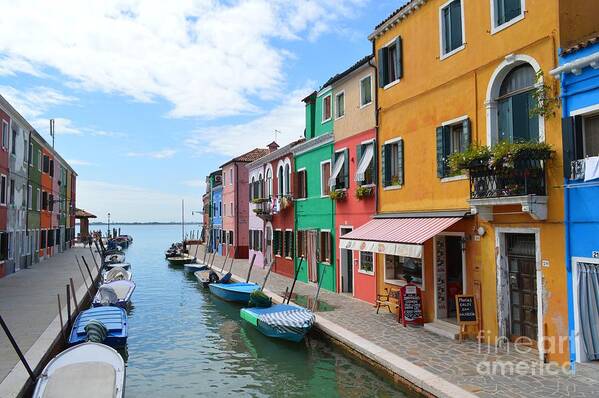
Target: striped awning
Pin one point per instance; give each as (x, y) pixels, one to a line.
(396, 236)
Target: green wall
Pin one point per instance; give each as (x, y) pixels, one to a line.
(320, 127)
(316, 212)
(35, 178)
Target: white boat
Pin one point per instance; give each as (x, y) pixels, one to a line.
(116, 293)
(114, 258)
(193, 267)
(116, 274)
(89, 370)
(126, 266)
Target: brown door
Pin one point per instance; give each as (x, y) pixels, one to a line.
(523, 286)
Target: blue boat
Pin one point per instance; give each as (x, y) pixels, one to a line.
(113, 318)
(281, 321)
(237, 292)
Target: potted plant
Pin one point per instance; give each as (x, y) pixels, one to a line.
(337, 194)
(364, 191)
(474, 156)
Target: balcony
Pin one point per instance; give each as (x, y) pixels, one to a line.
(524, 184)
(265, 208)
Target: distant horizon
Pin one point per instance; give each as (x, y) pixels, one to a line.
(144, 223)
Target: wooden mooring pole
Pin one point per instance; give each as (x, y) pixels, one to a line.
(250, 269)
(60, 316)
(69, 308)
(88, 270)
(74, 296)
(17, 349)
(84, 280)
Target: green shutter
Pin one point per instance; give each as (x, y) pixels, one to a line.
(569, 145)
(383, 67)
(400, 162)
(440, 152)
(466, 138)
(275, 239)
(292, 247)
(399, 58)
(346, 169)
(384, 173)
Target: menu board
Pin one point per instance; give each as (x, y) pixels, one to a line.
(467, 309)
(411, 305)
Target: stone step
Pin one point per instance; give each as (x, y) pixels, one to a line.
(444, 329)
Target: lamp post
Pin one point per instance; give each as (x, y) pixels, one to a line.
(108, 232)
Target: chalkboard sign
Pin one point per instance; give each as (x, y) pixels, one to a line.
(467, 309)
(411, 305)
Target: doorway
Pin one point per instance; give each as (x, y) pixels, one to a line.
(449, 275)
(522, 277)
(346, 265)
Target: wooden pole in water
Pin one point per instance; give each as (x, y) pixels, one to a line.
(195, 255)
(295, 278)
(225, 262)
(318, 290)
(232, 259)
(206, 250)
(60, 316)
(250, 269)
(17, 349)
(84, 280)
(88, 270)
(68, 307)
(266, 276)
(213, 257)
(74, 296)
(94, 257)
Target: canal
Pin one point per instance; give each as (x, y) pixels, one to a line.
(183, 342)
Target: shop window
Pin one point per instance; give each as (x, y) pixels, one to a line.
(367, 262)
(325, 247)
(400, 269)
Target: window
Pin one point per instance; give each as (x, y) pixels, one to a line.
(390, 63)
(26, 152)
(46, 164)
(39, 160)
(367, 262)
(591, 135)
(50, 202)
(11, 245)
(231, 237)
(287, 179)
(268, 183)
(326, 108)
(325, 175)
(51, 168)
(3, 246)
(24, 195)
(231, 177)
(280, 182)
(4, 134)
(13, 150)
(392, 163)
(340, 177)
(3, 190)
(50, 238)
(301, 187)
(504, 11)
(581, 140)
(256, 240)
(451, 27)
(231, 213)
(39, 200)
(11, 196)
(513, 106)
(366, 173)
(366, 91)
(44, 200)
(302, 237)
(452, 137)
(289, 243)
(325, 247)
(339, 105)
(278, 242)
(29, 197)
(404, 269)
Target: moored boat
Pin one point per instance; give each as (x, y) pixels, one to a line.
(117, 293)
(282, 321)
(181, 259)
(114, 258)
(126, 266)
(88, 369)
(107, 322)
(193, 267)
(116, 274)
(238, 292)
(206, 277)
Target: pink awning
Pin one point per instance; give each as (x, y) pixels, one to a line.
(397, 236)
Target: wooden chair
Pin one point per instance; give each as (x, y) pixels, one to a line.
(389, 299)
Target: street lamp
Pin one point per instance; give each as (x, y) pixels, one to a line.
(108, 232)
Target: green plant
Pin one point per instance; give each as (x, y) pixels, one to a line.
(545, 101)
(257, 201)
(364, 192)
(337, 194)
(395, 181)
(474, 156)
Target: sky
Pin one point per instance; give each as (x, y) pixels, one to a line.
(150, 96)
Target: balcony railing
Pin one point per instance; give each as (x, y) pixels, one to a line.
(527, 177)
(266, 207)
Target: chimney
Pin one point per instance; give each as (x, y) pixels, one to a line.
(273, 146)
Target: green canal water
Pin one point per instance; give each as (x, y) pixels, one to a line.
(183, 342)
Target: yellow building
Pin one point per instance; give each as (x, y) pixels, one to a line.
(452, 74)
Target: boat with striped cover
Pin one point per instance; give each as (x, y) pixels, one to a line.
(238, 292)
(281, 321)
(113, 319)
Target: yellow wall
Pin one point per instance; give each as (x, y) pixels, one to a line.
(433, 91)
(578, 21)
(356, 119)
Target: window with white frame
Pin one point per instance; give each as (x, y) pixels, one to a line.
(366, 172)
(325, 247)
(29, 197)
(278, 242)
(339, 105)
(39, 200)
(13, 149)
(452, 137)
(281, 181)
(11, 196)
(390, 62)
(3, 190)
(400, 269)
(268, 183)
(452, 34)
(340, 173)
(287, 179)
(367, 262)
(4, 134)
(506, 11)
(366, 90)
(39, 160)
(326, 108)
(24, 196)
(591, 135)
(392, 163)
(289, 243)
(325, 175)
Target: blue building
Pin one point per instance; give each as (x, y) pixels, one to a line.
(217, 219)
(579, 76)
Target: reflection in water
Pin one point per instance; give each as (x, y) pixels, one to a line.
(183, 342)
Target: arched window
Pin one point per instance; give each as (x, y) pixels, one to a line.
(280, 182)
(268, 183)
(287, 179)
(260, 186)
(515, 100)
(253, 189)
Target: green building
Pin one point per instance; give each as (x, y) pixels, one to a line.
(34, 196)
(314, 209)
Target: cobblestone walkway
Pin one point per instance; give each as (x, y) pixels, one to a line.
(455, 362)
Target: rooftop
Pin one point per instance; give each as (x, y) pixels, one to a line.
(80, 213)
(589, 41)
(395, 17)
(250, 156)
(357, 65)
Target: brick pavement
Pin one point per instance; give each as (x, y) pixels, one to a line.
(453, 361)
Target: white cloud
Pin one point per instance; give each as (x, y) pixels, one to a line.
(208, 58)
(165, 153)
(234, 139)
(195, 184)
(34, 102)
(78, 162)
(132, 203)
